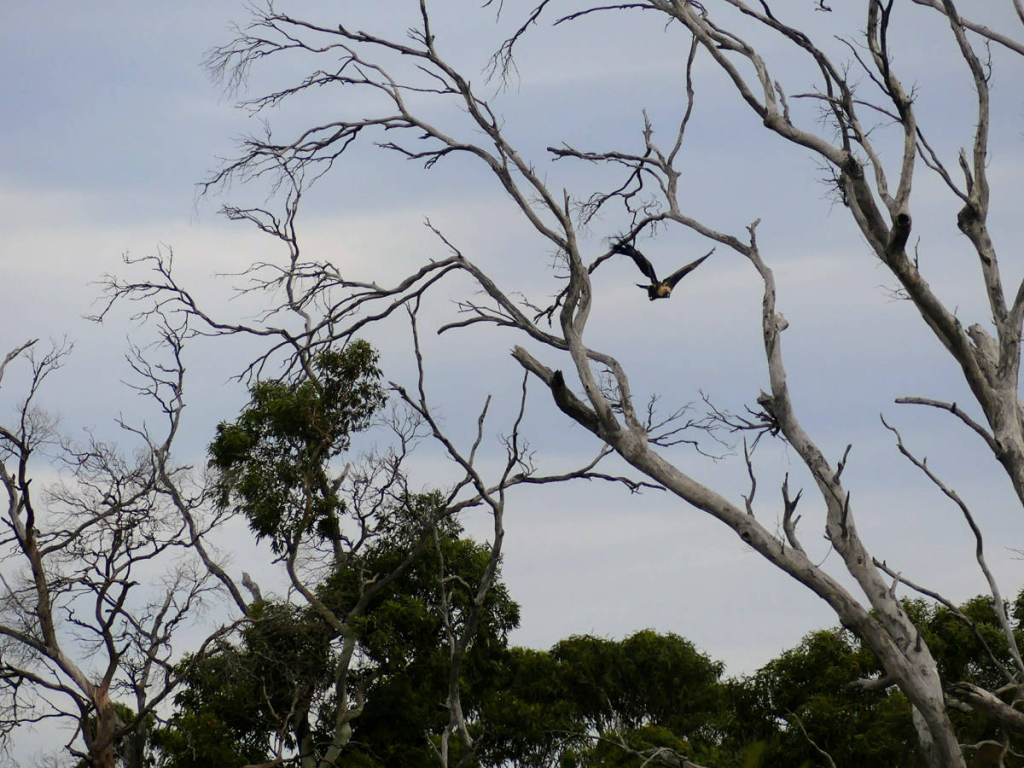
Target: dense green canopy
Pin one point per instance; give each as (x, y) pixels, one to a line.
(587, 701)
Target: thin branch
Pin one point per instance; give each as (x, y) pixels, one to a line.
(956, 411)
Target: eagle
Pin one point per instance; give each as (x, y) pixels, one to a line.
(658, 289)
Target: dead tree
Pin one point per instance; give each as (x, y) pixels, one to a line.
(94, 586)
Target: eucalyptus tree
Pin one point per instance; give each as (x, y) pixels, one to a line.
(406, 74)
(348, 537)
(279, 680)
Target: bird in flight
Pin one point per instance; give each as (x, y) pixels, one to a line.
(658, 289)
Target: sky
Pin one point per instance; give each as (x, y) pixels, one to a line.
(111, 121)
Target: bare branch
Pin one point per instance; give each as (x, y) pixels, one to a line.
(952, 408)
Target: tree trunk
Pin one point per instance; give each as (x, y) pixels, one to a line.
(101, 742)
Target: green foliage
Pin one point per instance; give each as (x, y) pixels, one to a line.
(200, 739)
(656, 690)
(286, 660)
(588, 701)
(272, 462)
(962, 657)
(810, 686)
(632, 748)
(637, 680)
(234, 699)
(957, 648)
(405, 645)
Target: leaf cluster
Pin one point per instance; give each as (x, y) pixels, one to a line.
(272, 463)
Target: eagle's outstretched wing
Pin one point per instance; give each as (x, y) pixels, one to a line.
(679, 274)
(641, 261)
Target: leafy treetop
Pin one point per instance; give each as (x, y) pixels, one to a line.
(272, 463)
